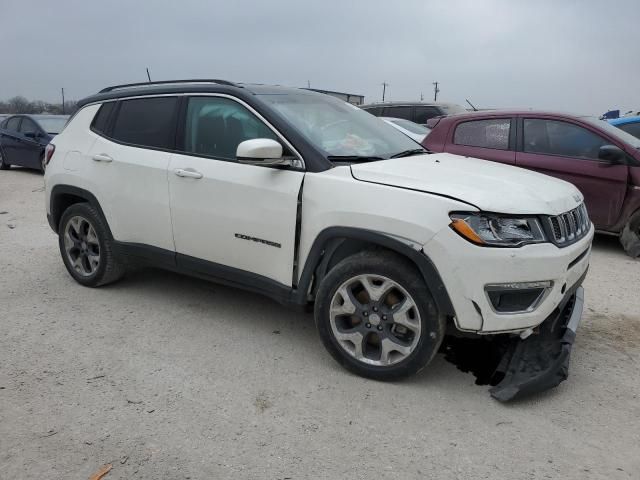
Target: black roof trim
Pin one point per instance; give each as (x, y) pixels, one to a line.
(166, 82)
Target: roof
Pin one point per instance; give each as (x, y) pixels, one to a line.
(624, 120)
(514, 111)
(398, 103)
(190, 86)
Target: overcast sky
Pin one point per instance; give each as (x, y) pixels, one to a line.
(582, 56)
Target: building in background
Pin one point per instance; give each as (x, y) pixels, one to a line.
(347, 97)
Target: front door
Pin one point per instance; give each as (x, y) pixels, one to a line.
(570, 151)
(29, 149)
(225, 213)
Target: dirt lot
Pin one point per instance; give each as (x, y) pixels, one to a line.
(169, 377)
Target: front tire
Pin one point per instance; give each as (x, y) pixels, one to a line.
(86, 247)
(630, 237)
(376, 316)
(3, 164)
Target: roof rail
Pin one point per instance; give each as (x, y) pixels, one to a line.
(165, 82)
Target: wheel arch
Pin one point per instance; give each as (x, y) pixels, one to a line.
(335, 243)
(63, 196)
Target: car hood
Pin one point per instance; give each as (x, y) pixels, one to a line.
(489, 186)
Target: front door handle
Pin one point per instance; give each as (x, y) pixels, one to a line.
(187, 172)
(102, 157)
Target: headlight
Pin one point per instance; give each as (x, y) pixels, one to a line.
(497, 230)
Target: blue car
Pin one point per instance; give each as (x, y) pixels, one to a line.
(23, 139)
(628, 124)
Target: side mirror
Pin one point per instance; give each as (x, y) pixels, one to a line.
(612, 154)
(261, 151)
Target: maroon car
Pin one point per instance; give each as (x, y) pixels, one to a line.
(599, 159)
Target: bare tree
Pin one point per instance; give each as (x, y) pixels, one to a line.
(19, 105)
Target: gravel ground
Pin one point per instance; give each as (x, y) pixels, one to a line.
(168, 377)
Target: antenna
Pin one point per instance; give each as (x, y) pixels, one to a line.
(148, 76)
(472, 105)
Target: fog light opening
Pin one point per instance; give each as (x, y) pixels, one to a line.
(510, 298)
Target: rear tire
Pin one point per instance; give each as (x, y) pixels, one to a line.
(630, 237)
(87, 247)
(3, 164)
(376, 316)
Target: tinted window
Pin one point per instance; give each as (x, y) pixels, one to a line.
(100, 121)
(377, 111)
(492, 133)
(398, 112)
(13, 123)
(215, 127)
(632, 128)
(146, 121)
(422, 114)
(27, 126)
(552, 137)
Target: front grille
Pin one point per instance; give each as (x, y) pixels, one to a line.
(571, 226)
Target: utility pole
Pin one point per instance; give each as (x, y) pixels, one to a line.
(148, 76)
(436, 90)
(421, 97)
(308, 84)
(63, 101)
(384, 89)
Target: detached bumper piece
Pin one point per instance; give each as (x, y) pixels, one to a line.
(541, 361)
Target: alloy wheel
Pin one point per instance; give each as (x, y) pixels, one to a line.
(375, 320)
(82, 246)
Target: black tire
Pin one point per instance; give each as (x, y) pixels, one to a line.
(3, 164)
(630, 237)
(405, 274)
(108, 269)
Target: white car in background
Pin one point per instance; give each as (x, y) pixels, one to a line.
(411, 129)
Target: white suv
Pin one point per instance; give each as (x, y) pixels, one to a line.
(310, 200)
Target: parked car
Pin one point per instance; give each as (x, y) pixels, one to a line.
(628, 124)
(304, 198)
(23, 139)
(601, 160)
(412, 130)
(417, 112)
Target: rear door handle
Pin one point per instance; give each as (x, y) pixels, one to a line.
(187, 172)
(102, 157)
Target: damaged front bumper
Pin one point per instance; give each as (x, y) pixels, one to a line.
(541, 361)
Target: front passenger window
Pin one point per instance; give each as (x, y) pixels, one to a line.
(215, 126)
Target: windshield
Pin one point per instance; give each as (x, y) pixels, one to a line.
(339, 128)
(452, 108)
(52, 125)
(409, 125)
(614, 131)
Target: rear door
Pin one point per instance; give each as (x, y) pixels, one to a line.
(129, 162)
(569, 150)
(225, 213)
(488, 138)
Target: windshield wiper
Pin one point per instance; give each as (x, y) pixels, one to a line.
(408, 153)
(352, 158)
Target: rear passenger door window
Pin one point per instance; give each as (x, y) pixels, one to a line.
(215, 126)
(490, 133)
(146, 122)
(422, 114)
(27, 126)
(398, 112)
(13, 124)
(100, 121)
